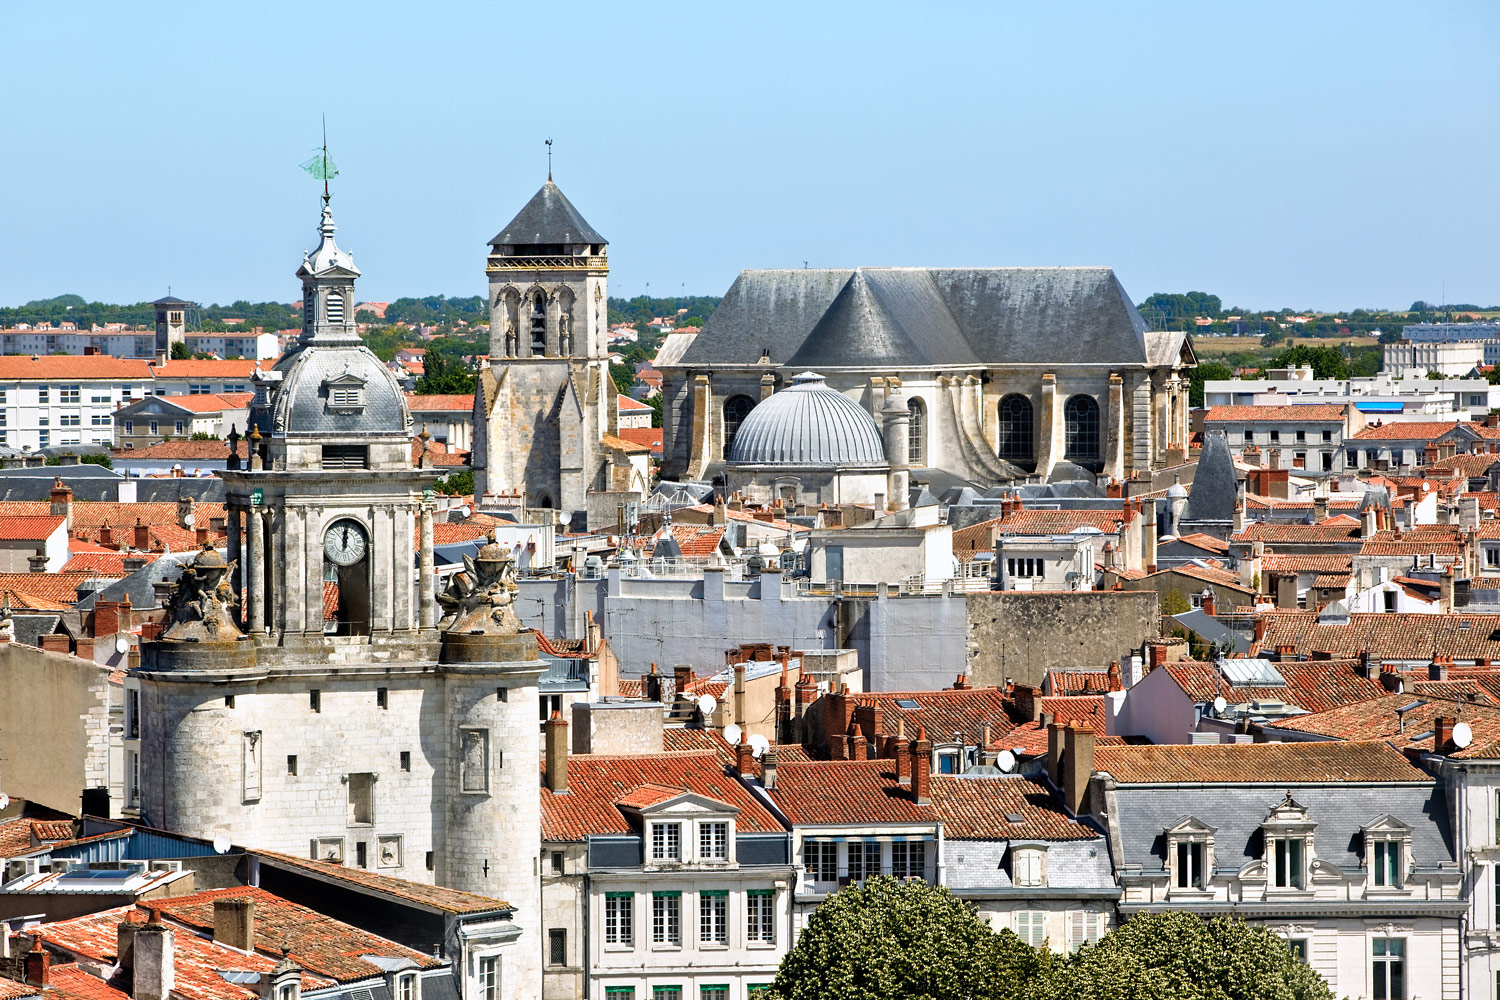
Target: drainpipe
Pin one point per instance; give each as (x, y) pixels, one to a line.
(588, 962)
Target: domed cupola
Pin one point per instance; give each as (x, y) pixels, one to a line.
(808, 425)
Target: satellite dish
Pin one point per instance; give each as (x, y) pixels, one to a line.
(221, 843)
(122, 645)
(465, 510)
(707, 704)
(1220, 704)
(4, 800)
(759, 744)
(1463, 735)
(1005, 760)
(187, 519)
(732, 733)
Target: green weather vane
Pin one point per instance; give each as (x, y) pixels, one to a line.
(320, 166)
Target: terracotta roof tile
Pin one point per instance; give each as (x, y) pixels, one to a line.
(1302, 413)
(1076, 708)
(29, 528)
(1334, 530)
(205, 368)
(1202, 541)
(942, 713)
(981, 809)
(596, 782)
(1387, 636)
(1063, 682)
(1312, 562)
(1257, 763)
(1029, 739)
(650, 437)
(1058, 522)
(846, 791)
(12, 990)
(64, 366)
(110, 563)
(72, 982)
(436, 401)
(1419, 430)
(59, 587)
(1219, 577)
(1379, 719)
(192, 451)
(433, 897)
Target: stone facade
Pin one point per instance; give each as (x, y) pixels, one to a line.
(1020, 636)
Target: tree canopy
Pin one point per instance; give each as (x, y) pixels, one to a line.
(894, 940)
(444, 375)
(1207, 371)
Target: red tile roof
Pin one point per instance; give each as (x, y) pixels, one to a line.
(1314, 562)
(209, 402)
(205, 368)
(62, 366)
(193, 451)
(1062, 682)
(632, 405)
(1257, 763)
(12, 990)
(1390, 635)
(438, 401)
(1218, 577)
(1413, 729)
(1332, 531)
(942, 713)
(60, 587)
(1030, 740)
(111, 563)
(1076, 708)
(72, 982)
(649, 437)
(1330, 412)
(1058, 522)
(696, 540)
(1312, 685)
(981, 809)
(1418, 430)
(596, 782)
(1202, 541)
(846, 791)
(29, 529)
(433, 897)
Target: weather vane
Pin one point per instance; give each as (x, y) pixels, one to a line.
(549, 159)
(320, 166)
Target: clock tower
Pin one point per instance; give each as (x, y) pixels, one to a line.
(331, 714)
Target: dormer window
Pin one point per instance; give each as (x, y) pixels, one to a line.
(345, 397)
(666, 842)
(713, 841)
(1190, 854)
(406, 987)
(1028, 867)
(1387, 847)
(1288, 836)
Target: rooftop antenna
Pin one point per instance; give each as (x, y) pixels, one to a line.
(549, 159)
(321, 166)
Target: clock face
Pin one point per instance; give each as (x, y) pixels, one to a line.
(345, 542)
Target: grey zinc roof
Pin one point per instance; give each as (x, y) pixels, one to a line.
(938, 316)
(549, 217)
(808, 424)
(301, 405)
(1236, 812)
(1215, 486)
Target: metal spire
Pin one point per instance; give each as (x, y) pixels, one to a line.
(549, 159)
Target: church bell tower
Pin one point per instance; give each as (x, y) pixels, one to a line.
(546, 396)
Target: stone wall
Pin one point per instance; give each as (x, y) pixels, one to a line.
(1022, 635)
(54, 725)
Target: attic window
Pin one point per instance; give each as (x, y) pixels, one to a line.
(345, 397)
(910, 704)
(346, 456)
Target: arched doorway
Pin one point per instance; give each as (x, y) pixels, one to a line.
(1017, 440)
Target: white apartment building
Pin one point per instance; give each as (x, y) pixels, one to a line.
(1457, 358)
(1385, 395)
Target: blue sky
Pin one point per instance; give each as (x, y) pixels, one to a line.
(1315, 155)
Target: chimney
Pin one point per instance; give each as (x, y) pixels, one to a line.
(1156, 654)
(55, 642)
(200, 536)
(1442, 734)
(1148, 534)
(1445, 590)
(1286, 591)
(719, 516)
(1116, 683)
(1260, 628)
(1364, 662)
(1078, 766)
(744, 758)
(234, 923)
(155, 961)
(1055, 753)
(1028, 703)
(125, 944)
(106, 537)
(36, 962)
(859, 747)
(921, 768)
(1320, 509)
(739, 694)
(557, 753)
(1437, 670)
(185, 512)
(37, 562)
(1210, 603)
(142, 536)
(768, 768)
(903, 759)
(106, 618)
(62, 502)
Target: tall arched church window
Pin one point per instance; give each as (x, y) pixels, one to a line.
(1081, 430)
(916, 435)
(736, 409)
(1016, 443)
(539, 324)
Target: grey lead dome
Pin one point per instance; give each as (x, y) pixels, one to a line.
(808, 424)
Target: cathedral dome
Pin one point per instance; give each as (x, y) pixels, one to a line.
(342, 392)
(808, 424)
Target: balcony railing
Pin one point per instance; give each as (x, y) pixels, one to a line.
(596, 262)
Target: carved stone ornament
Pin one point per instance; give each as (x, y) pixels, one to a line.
(480, 597)
(200, 607)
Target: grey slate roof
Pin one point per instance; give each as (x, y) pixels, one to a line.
(1142, 814)
(549, 217)
(140, 586)
(1215, 486)
(1210, 629)
(937, 316)
(107, 487)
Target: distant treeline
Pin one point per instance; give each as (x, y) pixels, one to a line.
(1182, 310)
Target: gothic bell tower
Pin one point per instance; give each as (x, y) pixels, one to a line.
(547, 398)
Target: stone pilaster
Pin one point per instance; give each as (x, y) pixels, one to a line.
(1114, 436)
(425, 606)
(255, 597)
(1049, 428)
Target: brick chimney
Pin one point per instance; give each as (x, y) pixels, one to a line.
(106, 537)
(1116, 682)
(1210, 604)
(55, 642)
(155, 965)
(903, 758)
(1078, 765)
(962, 683)
(557, 753)
(36, 962)
(1320, 509)
(234, 923)
(1028, 703)
(1156, 654)
(1442, 733)
(142, 536)
(62, 503)
(106, 618)
(744, 758)
(859, 747)
(1055, 745)
(921, 768)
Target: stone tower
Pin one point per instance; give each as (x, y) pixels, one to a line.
(545, 399)
(333, 715)
(171, 323)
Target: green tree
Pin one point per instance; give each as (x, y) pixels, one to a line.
(1173, 603)
(655, 403)
(1207, 371)
(459, 484)
(903, 940)
(97, 458)
(443, 376)
(1179, 956)
(624, 378)
(180, 352)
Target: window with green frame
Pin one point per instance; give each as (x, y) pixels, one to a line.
(666, 992)
(718, 991)
(620, 992)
